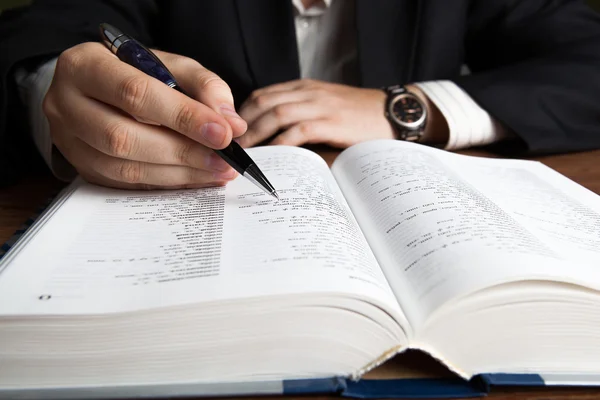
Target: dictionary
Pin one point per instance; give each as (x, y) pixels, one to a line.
(490, 266)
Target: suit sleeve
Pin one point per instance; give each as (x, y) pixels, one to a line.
(536, 68)
(34, 34)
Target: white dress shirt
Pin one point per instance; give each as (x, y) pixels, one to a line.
(327, 51)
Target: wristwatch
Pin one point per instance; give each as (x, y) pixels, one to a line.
(406, 113)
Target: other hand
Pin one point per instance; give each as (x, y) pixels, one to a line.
(308, 111)
(90, 108)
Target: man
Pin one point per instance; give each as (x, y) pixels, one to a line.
(534, 82)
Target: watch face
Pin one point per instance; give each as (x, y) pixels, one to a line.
(408, 110)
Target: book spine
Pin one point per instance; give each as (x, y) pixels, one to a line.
(412, 388)
(314, 386)
(505, 379)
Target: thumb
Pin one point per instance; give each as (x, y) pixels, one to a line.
(206, 87)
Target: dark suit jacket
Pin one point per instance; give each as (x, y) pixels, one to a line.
(535, 63)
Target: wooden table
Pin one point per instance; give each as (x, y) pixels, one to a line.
(19, 202)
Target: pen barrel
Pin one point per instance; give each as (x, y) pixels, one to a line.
(235, 156)
(135, 54)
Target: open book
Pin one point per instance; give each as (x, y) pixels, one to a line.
(490, 266)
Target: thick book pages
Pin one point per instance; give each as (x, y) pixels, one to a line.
(487, 265)
(214, 285)
(494, 262)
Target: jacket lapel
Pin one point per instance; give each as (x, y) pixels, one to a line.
(386, 32)
(270, 40)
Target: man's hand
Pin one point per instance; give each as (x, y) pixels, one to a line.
(308, 111)
(91, 106)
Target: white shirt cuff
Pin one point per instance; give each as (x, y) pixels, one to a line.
(32, 89)
(468, 123)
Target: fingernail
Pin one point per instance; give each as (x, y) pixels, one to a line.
(226, 109)
(217, 163)
(227, 175)
(213, 133)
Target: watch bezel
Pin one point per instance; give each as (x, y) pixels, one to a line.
(413, 126)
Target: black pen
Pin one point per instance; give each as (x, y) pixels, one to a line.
(129, 50)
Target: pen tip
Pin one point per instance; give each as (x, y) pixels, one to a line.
(274, 194)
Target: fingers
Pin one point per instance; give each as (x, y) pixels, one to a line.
(107, 170)
(206, 87)
(260, 102)
(103, 181)
(117, 135)
(276, 107)
(279, 117)
(132, 91)
(89, 107)
(287, 86)
(307, 132)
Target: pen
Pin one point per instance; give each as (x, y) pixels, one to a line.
(129, 50)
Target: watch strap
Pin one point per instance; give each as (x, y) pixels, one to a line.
(395, 90)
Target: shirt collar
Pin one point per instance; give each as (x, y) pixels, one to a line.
(318, 9)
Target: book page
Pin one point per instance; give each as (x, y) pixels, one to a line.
(439, 230)
(563, 214)
(109, 250)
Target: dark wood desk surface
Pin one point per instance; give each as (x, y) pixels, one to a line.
(19, 202)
